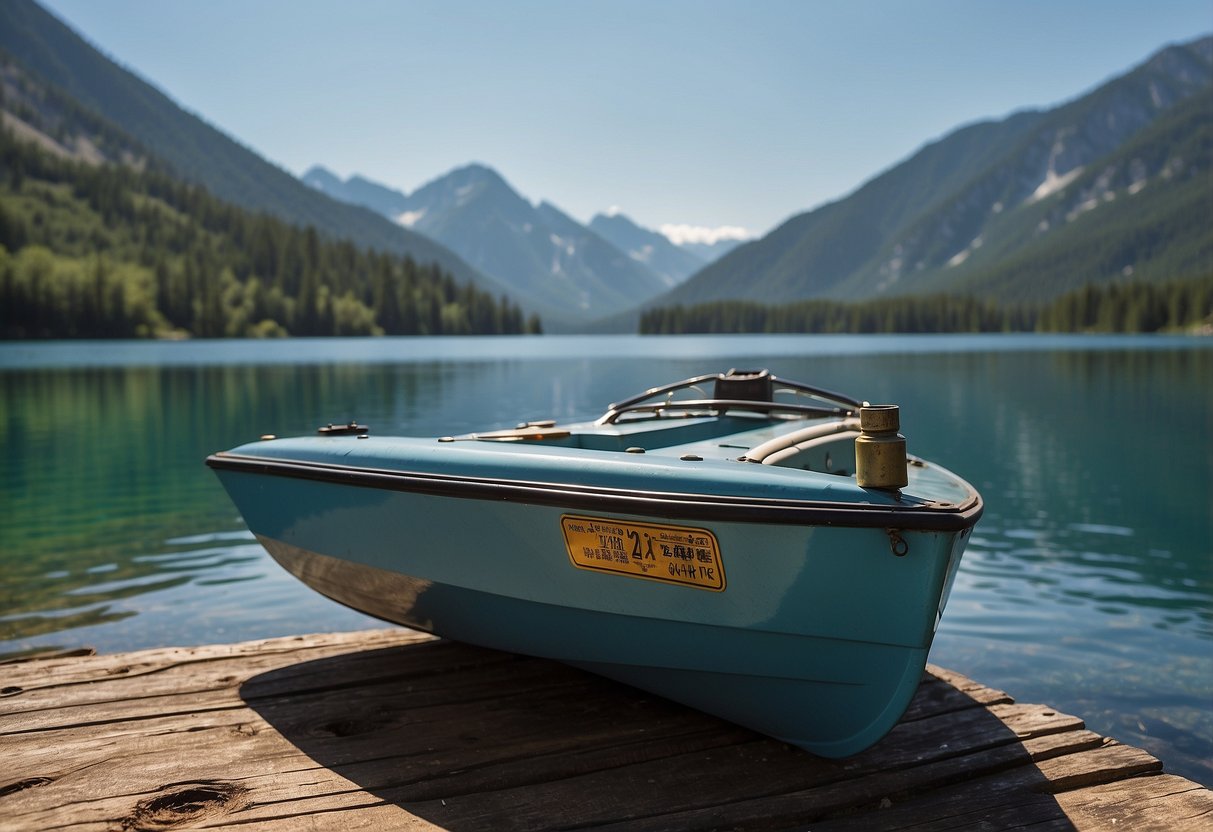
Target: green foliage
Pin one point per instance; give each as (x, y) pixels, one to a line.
(45, 296)
(101, 251)
(1132, 307)
(1180, 305)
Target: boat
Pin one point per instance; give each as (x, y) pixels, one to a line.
(753, 547)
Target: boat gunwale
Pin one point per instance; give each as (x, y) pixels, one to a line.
(940, 517)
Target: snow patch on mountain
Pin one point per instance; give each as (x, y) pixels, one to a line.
(1053, 183)
(964, 253)
(680, 234)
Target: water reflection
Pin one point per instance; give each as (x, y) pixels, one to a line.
(1088, 584)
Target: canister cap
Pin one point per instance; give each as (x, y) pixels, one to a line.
(879, 418)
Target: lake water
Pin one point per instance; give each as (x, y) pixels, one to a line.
(1088, 584)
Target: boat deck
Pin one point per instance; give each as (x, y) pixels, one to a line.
(396, 730)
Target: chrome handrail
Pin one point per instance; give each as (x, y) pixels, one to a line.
(844, 405)
(721, 406)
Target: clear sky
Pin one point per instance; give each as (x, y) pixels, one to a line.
(706, 113)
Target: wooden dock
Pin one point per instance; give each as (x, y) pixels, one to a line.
(396, 730)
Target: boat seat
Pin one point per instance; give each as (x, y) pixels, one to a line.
(811, 448)
(820, 454)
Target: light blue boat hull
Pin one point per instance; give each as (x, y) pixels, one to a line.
(780, 595)
(829, 696)
(819, 639)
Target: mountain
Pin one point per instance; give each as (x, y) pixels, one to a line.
(673, 264)
(357, 190)
(593, 262)
(1141, 212)
(1112, 183)
(196, 151)
(709, 252)
(538, 251)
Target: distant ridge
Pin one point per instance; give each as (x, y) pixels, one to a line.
(711, 252)
(672, 263)
(357, 190)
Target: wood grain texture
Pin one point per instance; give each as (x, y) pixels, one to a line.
(390, 729)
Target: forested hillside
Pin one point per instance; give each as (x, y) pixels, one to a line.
(196, 151)
(97, 249)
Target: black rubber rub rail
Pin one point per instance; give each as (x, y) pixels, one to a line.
(923, 516)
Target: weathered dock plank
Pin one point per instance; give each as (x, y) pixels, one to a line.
(396, 730)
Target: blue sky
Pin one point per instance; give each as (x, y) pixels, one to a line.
(706, 114)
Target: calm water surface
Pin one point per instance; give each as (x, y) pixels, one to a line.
(1088, 584)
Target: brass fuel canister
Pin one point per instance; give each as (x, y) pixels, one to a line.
(880, 451)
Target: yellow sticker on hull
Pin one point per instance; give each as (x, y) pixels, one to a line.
(673, 554)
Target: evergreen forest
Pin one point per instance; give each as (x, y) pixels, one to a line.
(128, 251)
(1174, 306)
